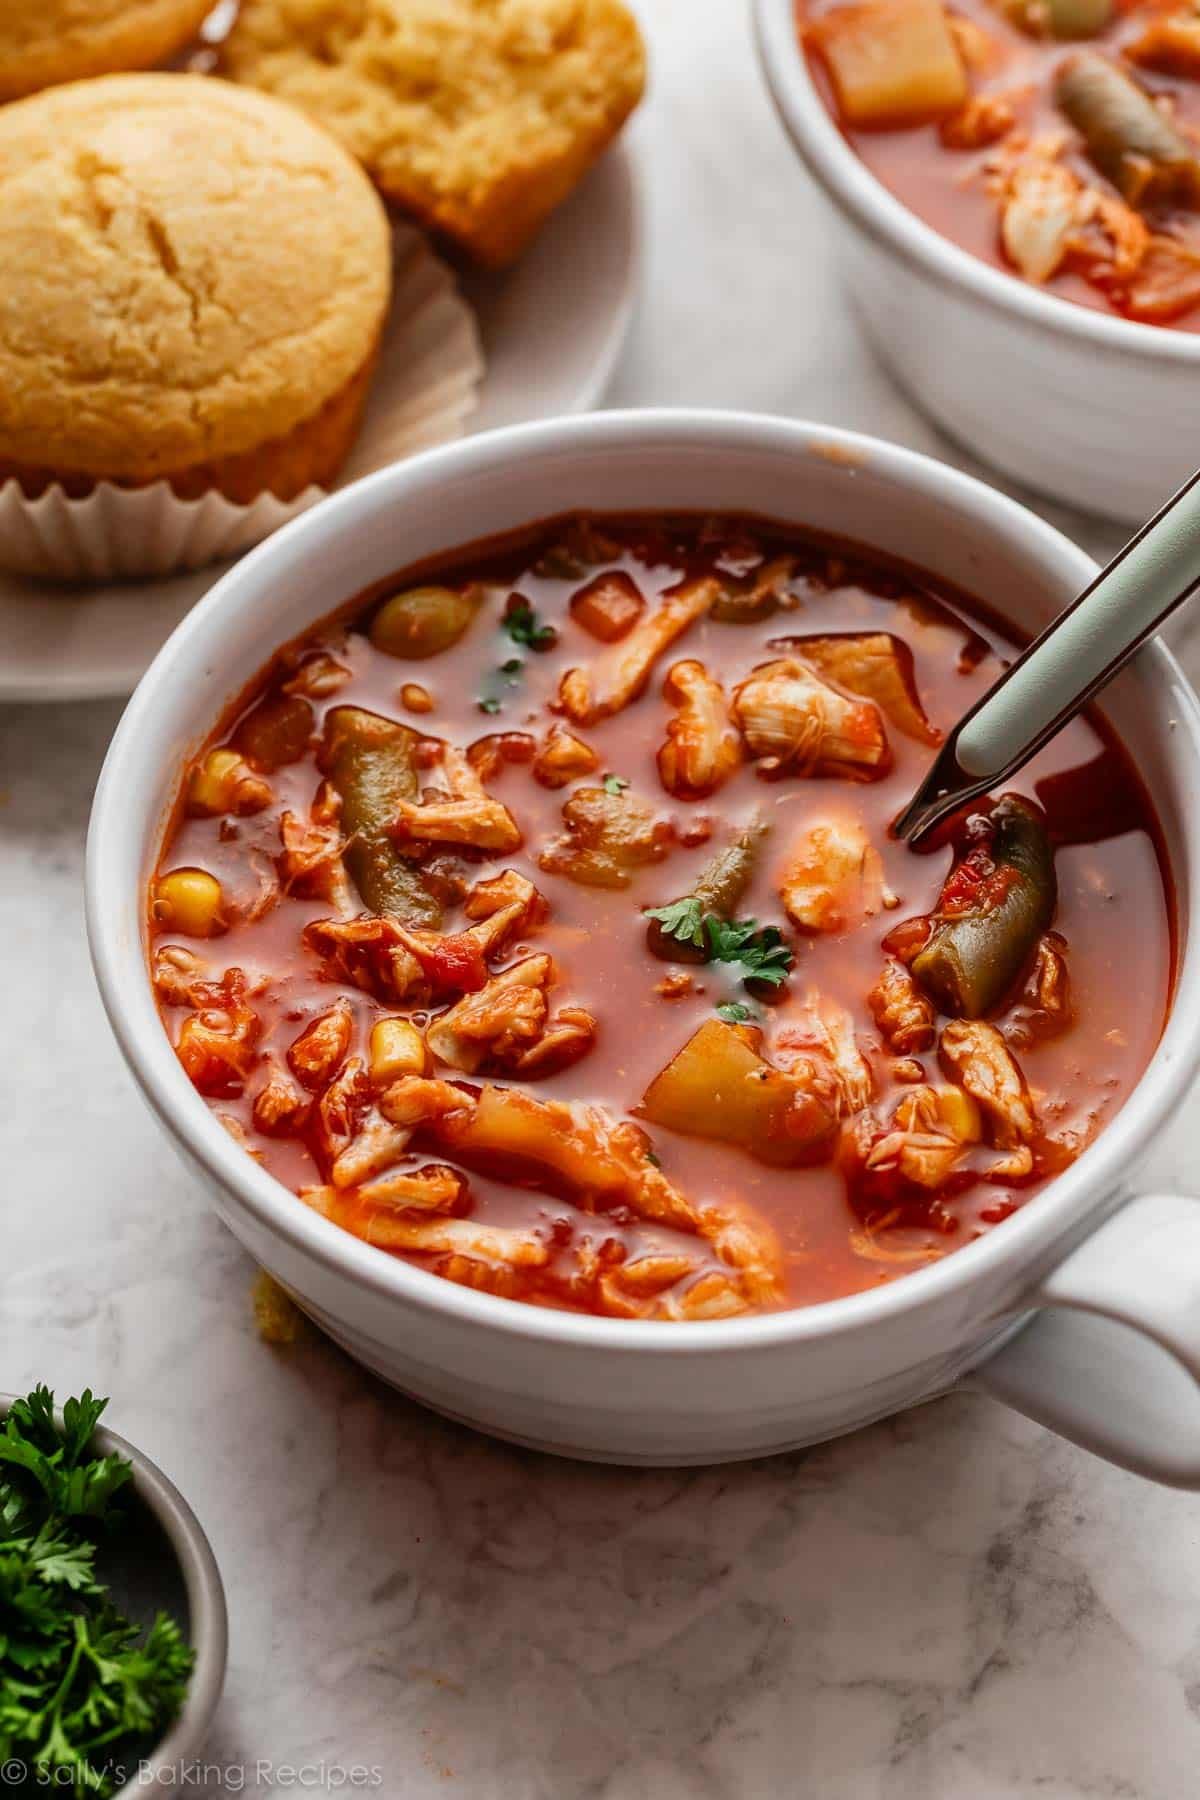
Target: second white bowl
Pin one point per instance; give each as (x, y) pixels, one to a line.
(1084, 406)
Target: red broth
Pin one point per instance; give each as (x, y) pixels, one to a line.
(1141, 258)
(823, 1224)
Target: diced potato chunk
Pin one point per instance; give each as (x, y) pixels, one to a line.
(892, 62)
(397, 1048)
(718, 1086)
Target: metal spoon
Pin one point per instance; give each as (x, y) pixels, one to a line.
(1158, 569)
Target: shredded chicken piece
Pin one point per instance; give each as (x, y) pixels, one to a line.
(984, 119)
(176, 972)
(712, 1296)
(828, 1029)
(702, 748)
(1039, 213)
(1165, 284)
(507, 1246)
(472, 816)
(874, 665)
(796, 723)
(608, 837)
(563, 758)
(280, 1105)
(377, 1145)
(1111, 239)
(1044, 1008)
(436, 1188)
(311, 861)
(418, 1100)
(921, 1146)
(977, 1057)
(619, 674)
(216, 1043)
(321, 1047)
(341, 1109)
(901, 1010)
(504, 1023)
(834, 879)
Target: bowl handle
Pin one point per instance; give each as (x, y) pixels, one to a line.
(1113, 1391)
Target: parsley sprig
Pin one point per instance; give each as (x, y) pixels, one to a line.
(754, 953)
(524, 627)
(80, 1684)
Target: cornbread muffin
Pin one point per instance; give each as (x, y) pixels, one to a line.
(195, 281)
(476, 116)
(44, 42)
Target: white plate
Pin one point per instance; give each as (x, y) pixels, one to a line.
(552, 330)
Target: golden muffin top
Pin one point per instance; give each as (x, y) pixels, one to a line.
(190, 270)
(470, 113)
(48, 41)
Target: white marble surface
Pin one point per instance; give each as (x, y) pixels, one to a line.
(951, 1606)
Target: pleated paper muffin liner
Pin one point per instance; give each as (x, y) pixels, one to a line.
(424, 390)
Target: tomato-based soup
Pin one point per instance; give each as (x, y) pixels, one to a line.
(537, 920)
(1057, 139)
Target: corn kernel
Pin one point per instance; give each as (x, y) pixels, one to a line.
(223, 783)
(960, 1114)
(416, 698)
(191, 901)
(397, 1048)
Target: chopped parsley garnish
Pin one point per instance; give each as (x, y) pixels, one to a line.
(753, 952)
(734, 1013)
(682, 920)
(524, 627)
(79, 1682)
(756, 952)
(513, 666)
(652, 1156)
(615, 784)
(489, 704)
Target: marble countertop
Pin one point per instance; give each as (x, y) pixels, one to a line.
(953, 1605)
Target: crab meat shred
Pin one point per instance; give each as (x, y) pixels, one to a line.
(619, 674)
(320, 1049)
(796, 723)
(834, 878)
(216, 1042)
(470, 816)
(1038, 215)
(929, 1133)
(507, 1025)
(435, 1188)
(310, 864)
(827, 1031)
(608, 838)
(984, 119)
(280, 1105)
(702, 749)
(977, 1057)
(563, 758)
(903, 1014)
(876, 666)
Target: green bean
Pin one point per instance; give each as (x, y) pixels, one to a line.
(1128, 138)
(423, 621)
(1062, 19)
(370, 762)
(995, 905)
(718, 890)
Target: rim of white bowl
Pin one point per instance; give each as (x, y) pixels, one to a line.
(118, 954)
(208, 1621)
(852, 186)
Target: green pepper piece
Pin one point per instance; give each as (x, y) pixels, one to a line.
(718, 891)
(370, 761)
(423, 621)
(1128, 138)
(995, 905)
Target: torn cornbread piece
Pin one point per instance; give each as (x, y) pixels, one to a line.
(477, 117)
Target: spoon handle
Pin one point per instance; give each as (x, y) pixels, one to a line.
(1077, 654)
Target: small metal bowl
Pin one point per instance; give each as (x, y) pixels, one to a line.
(165, 1561)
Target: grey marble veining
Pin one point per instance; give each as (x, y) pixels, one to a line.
(951, 1606)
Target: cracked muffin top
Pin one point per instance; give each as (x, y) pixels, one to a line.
(43, 42)
(191, 271)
